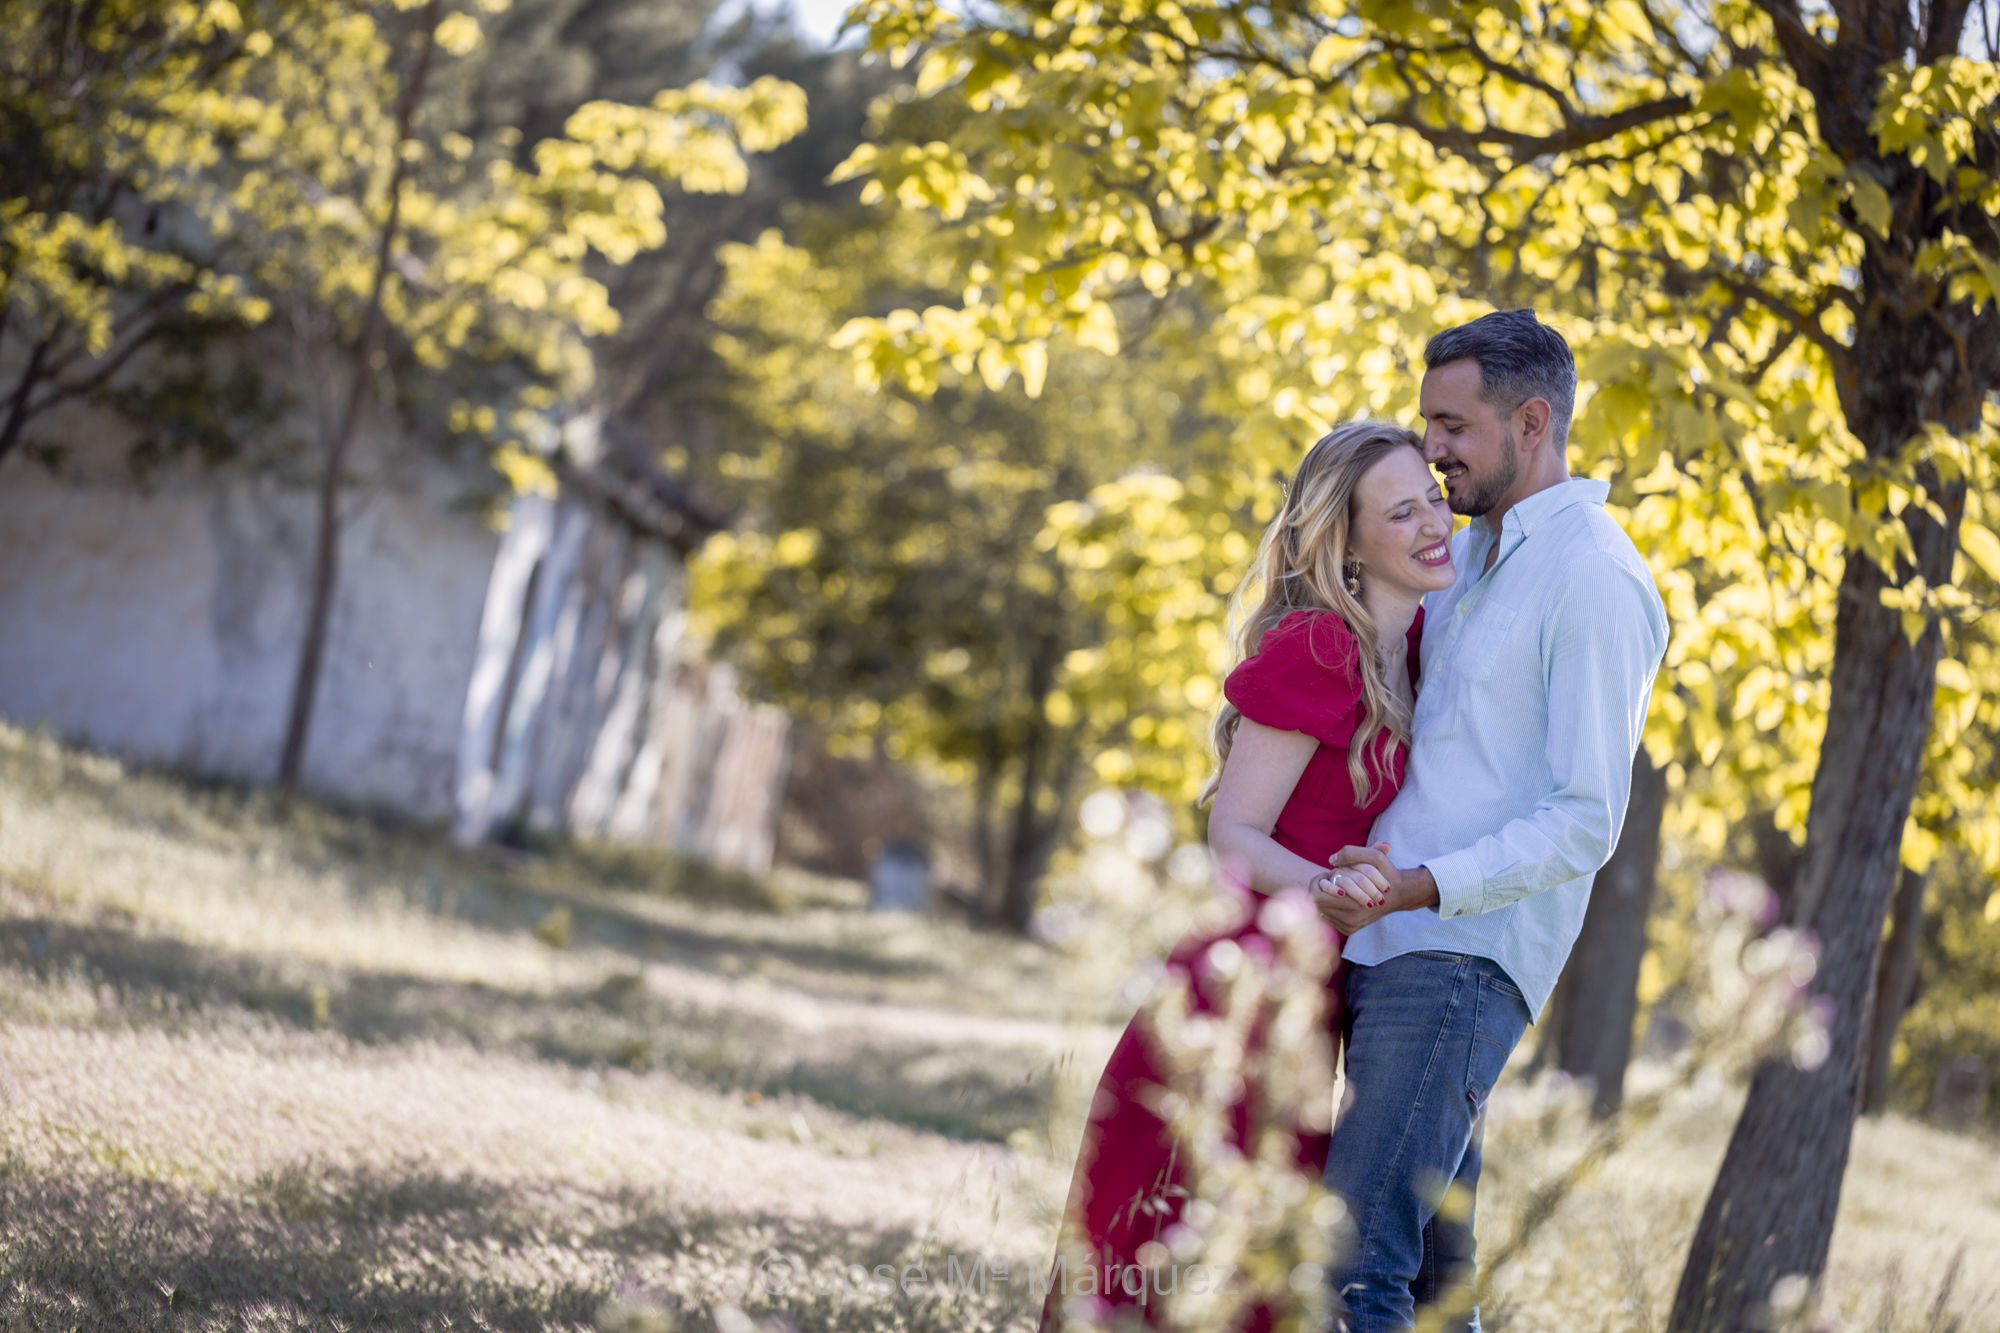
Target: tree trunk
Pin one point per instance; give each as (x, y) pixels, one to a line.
(1592, 1032)
(1024, 864)
(1549, 1030)
(1895, 981)
(1770, 1213)
(1045, 764)
(340, 435)
(1916, 356)
(985, 798)
(1778, 857)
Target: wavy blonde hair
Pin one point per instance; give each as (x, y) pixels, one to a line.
(1299, 568)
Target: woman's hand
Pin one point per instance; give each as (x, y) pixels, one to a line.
(1402, 890)
(1362, 886)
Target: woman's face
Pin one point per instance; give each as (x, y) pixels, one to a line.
(1400, 533)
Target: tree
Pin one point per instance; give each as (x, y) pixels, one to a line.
(321, 184)
(949, 573)
(1596, 1004)
(89, 276)
(1772, 229)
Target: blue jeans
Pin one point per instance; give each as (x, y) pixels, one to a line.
(1428, 1033)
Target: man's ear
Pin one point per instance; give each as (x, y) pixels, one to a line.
(1534, 416)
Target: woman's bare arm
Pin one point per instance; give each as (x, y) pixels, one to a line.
(1263, 767)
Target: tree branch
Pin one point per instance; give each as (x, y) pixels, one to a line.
(1664, 34)
(107, 367)
(1804, 323)
(17, 410)
(1809, 57)
(1501, 69)
(1583, 132)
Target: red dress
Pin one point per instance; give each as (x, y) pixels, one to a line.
(1305, 676)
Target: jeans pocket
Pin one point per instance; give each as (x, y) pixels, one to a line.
(1499, 1018)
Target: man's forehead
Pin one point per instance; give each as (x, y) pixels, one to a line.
(1460, 382)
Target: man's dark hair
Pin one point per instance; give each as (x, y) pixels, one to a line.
(1519, 358)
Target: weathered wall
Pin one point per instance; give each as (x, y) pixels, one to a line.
(538, 677)
(586, 712)
(162, 623)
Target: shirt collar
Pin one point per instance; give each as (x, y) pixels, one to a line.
(1523, 518)
(1546, 503)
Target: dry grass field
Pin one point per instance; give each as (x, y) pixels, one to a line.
(298, 1070)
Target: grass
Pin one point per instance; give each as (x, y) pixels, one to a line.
(266, 1069)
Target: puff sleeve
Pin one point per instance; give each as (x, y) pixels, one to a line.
(1305, 676)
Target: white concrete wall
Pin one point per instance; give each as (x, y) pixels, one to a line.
(160, 619)
(163, 623)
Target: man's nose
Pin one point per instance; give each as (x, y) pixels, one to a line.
(1433, 446)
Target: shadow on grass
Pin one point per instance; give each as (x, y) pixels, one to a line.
(498, 889)
(938, 1086)
(319, 1248)
(313, 1251)
(496, 902)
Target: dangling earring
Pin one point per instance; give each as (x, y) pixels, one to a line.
(1353, 580)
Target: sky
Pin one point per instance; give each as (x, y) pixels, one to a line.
(815, 19)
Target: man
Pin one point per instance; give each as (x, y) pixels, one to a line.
(1537, 665)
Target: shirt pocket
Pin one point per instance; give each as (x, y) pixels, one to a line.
(1486, 635)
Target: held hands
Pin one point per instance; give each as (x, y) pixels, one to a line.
(1350, 896)
(1365, 886)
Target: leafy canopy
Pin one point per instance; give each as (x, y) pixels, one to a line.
(1710, 226)
(231, 161)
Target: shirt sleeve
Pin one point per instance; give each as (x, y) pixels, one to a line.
(1604, 645)
(1305, 676)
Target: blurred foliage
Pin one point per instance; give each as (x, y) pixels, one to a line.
(231, 163)
(1957, 1009)
(1335, 182)
(1022, 588)
(1782, 299)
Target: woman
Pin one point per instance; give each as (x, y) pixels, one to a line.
(1311, 742)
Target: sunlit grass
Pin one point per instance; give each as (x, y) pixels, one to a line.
(298, 1069)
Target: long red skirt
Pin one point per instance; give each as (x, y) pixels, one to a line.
(1129, 1189)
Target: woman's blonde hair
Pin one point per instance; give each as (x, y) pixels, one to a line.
(1299, 566)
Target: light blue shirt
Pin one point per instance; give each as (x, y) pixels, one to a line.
(1536, 680)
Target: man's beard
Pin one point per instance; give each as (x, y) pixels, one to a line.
(1476, 500)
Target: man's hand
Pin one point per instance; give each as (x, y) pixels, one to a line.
(1365, 886)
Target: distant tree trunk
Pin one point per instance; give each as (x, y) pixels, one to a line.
(1025, 857)
(1778, 857)
(1895, 984)
(1046, 770)
(1592, 1030)
(985, 798)
(1548, 1032)
(339, 434)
